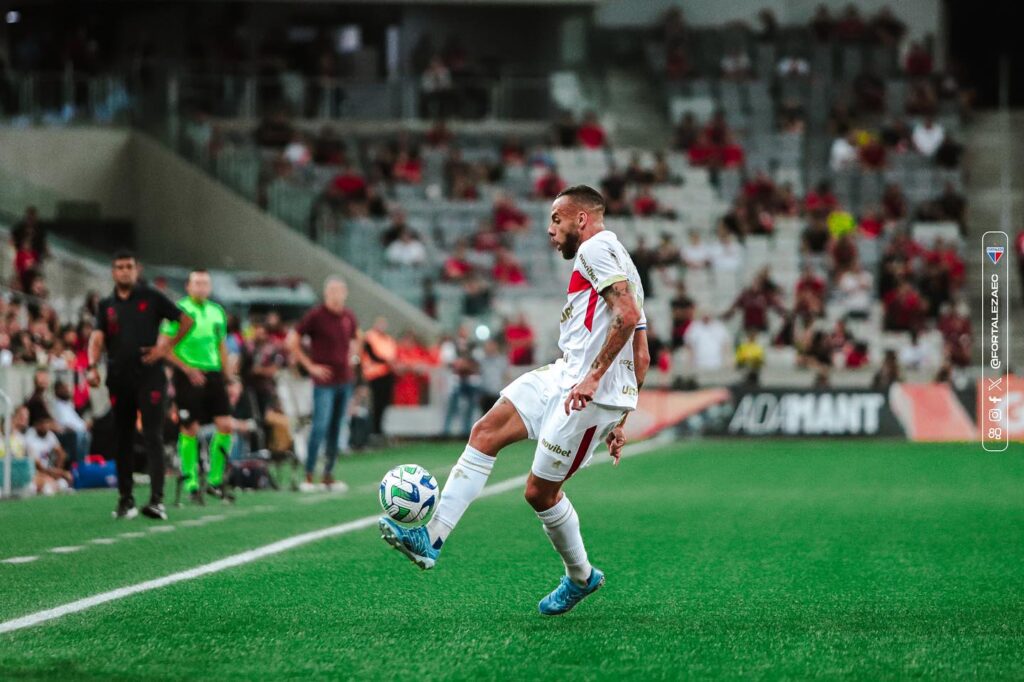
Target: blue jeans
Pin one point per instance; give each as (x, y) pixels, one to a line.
(329, 406)
(466, 393)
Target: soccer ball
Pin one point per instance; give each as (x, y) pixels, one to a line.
(408, 493)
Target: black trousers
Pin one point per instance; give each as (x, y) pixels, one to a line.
(381, 391)
(147, 398)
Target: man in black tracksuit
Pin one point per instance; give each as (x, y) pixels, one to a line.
(128, 325)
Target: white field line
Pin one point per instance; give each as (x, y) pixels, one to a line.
(67, 550)
(19, 560)
(254, 555)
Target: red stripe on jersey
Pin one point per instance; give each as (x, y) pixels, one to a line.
(588, 321)
(581, 453)
(578, 283)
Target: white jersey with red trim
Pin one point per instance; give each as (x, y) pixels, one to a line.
(600, 262)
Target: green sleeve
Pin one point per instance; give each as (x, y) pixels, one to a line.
(169, 327)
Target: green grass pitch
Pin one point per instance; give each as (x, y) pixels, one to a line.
(760, 559)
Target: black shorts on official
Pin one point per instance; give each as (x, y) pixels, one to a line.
(201, 403)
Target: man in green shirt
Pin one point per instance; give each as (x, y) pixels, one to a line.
(200, 386)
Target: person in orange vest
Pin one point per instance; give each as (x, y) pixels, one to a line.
(379, 352)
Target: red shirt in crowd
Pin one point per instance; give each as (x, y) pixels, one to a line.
(408, 170)
(519, 339)
(349, 184)
(645, 205)
(903, 309)
(509, 273)
(330, 335)
(701, 153)
(856, 357)
(732, 155)
(456, 268)
(591, 135)
(508, 217)
(548, 186)
(870, 226)
(815, 202)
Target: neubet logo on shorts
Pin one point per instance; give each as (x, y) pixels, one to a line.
(555, 448)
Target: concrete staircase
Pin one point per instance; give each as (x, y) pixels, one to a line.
(635, 110)
(990, 142)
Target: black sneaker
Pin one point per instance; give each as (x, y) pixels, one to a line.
(221, 493)
(155, 510)
(125, 510)
(197, 498)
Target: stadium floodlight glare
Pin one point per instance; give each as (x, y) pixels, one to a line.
(13, 17)
(483, 332)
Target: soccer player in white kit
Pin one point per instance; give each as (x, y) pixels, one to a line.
(568, 407)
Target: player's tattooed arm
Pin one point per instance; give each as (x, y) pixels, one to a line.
(625, 314)
(641, 356)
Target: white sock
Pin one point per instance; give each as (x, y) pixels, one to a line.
(563, 527)
(467, 479)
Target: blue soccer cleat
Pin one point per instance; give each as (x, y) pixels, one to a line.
(568, 594)
(412, 542)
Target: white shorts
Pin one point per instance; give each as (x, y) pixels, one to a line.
(565, 443)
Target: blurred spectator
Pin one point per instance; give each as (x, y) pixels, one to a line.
(954, 324)
(507, 217)
(436, 90)
(913, 355)
(613, 186)
(549, 184)
(591, 134)
(459, 355)
(686, 132)
(696, 255)
(493, 371)
(439, 134)
(750, 353)
(822, 24)
(298, 152)
(894, 203)
(736, 65)
(507, 270)
(949, 153)
(726, 254)
(457, 267)
(566, 130)
(347, 185)
(918, 62)
(810, 294)
(28, 240)
(888, 374)
(869, 90)
(755, 301)
(43, 448)
(406, 251)
(477, 295)
(886, 28)
(38, 401)
(683, 311)
(854, 292)
(928, 136)
(519, 341)
(843, 153)
(857, 355)
(904, 308)
(850, 27)
(412, 364)
(709, 342)
(379, 351)
(870, 224)
(821, 200)
(408, 167)
(73, 430)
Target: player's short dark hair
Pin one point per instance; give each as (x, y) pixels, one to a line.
(197, 271)
(123, 254)
(585, 195)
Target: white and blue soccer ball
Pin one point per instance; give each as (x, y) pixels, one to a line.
(408, 493)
